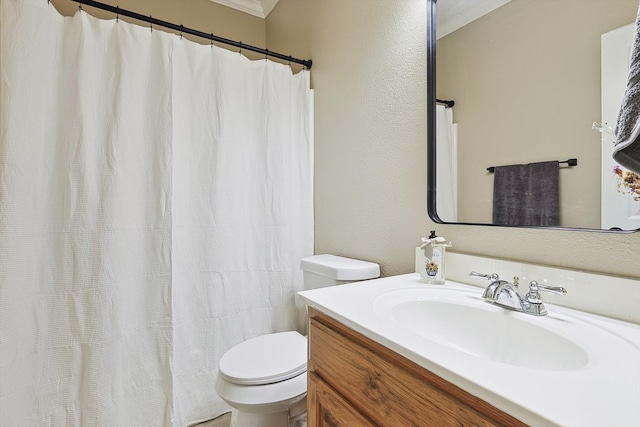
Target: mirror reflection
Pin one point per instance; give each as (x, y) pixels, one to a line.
(536, 86)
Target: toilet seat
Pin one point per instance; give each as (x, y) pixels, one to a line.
(265, 359)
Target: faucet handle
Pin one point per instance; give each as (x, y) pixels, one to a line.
(493, 276)
(534, 288)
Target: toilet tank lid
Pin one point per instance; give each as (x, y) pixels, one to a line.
(340, 268)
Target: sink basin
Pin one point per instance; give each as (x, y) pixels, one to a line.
(465, 323)
(569, 368)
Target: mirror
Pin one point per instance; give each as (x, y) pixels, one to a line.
(529, 87)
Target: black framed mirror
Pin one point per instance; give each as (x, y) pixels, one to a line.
(533, 84)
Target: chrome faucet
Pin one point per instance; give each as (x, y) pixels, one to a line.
(508, 295)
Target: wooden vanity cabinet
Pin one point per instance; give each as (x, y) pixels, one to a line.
(356, 382)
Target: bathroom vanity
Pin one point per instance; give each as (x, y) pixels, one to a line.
(354, 381)
(396, 352)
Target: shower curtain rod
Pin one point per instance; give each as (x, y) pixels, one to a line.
(569, 162)
(184, 30)
(449, 104)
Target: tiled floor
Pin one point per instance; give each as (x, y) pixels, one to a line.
(225, 421)
(221, 421)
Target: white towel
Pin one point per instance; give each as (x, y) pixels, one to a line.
(627, 149)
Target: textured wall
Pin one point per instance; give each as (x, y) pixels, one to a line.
(370, 156)
(369, 80)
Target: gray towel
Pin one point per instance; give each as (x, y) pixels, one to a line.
(627, 149)
(527, 195)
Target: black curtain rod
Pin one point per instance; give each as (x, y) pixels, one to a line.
(569, 162)
(184, 30)
(449, 104)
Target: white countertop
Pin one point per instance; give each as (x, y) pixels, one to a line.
(603, 393)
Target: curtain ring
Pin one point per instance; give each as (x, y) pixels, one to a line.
(80, 7)
(151, 23)
(117, 14)
(181, 29)
(211, 40)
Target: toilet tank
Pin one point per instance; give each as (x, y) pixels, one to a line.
(324, 270)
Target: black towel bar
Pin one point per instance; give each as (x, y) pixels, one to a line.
(569, 162)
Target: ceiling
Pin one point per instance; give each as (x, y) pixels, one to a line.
(453, 14)
(259, 8)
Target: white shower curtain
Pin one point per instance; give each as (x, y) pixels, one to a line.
(155, 201)
(447, 164)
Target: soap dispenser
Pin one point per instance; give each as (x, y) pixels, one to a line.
(433, 250)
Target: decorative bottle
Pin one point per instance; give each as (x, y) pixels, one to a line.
(433, 250)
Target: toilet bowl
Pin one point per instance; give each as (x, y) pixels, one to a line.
(265, 378)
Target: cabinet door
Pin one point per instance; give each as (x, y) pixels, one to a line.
(379, 387)
(328, 409)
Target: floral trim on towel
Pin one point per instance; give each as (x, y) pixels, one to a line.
(628, 182)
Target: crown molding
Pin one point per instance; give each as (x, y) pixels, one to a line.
(259, 8)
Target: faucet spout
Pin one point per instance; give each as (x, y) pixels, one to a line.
(506, 295)
(491, 292)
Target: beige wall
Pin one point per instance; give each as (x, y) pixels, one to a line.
(526, 81)
(201, 15)
(369, 80)
(370, 181)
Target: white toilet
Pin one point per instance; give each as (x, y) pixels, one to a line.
(265, 378)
